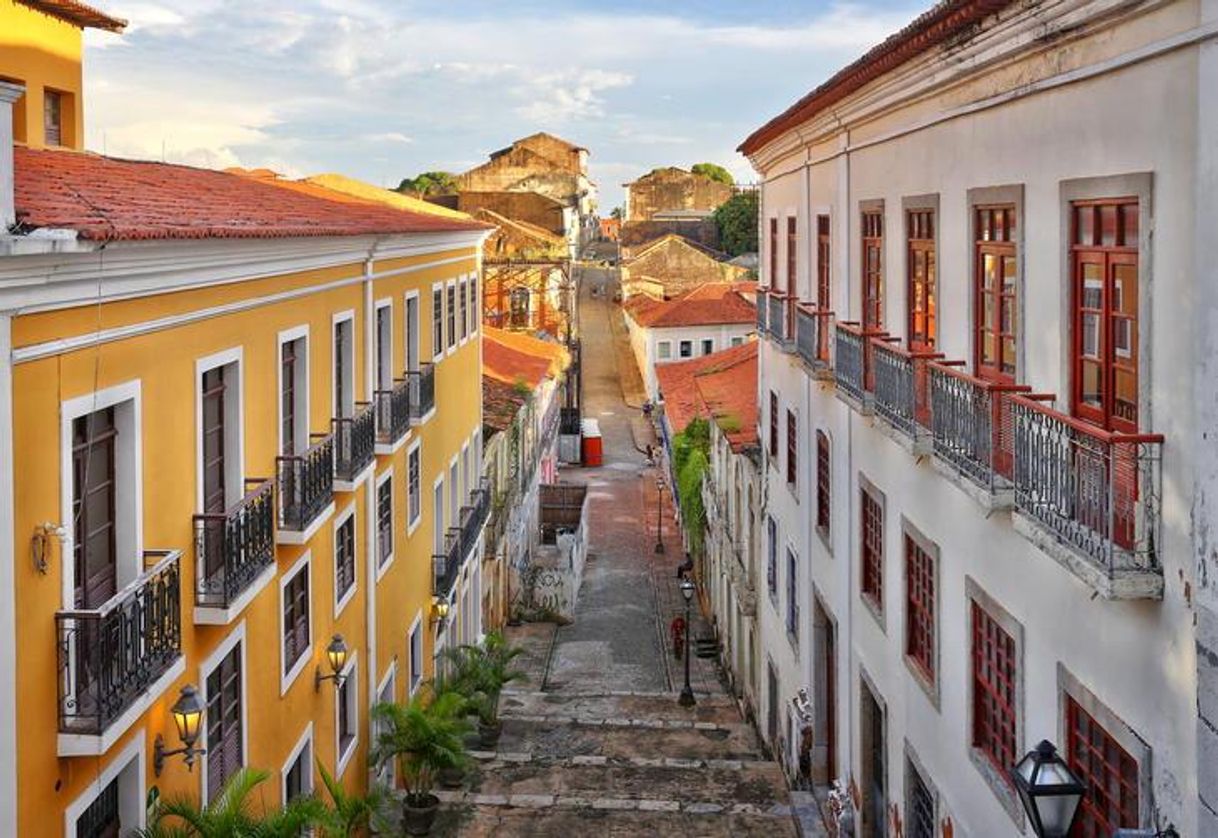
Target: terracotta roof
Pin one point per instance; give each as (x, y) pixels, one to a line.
(106, 199)
(500, 403)
(731, 384)
(512, 364)
(716, 303)
(555, 354)
(366, 191)
(937, 26)
(527, 228)
(640, 250)
(77, 13)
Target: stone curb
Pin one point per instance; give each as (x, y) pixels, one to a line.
(498, 758)
(620, 804)
(671, 724)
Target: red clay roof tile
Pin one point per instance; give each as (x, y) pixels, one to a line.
(722, 386)
(715, 303)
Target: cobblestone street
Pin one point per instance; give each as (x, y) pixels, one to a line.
(594, 741)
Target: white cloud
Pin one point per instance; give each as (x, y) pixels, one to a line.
(387, 137)
(573, 94)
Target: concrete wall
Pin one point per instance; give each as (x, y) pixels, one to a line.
(703, 231)
(680, 268)
(644, 344)
(672, 189)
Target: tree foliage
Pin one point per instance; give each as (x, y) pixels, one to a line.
(425, 736)
(691, 459)
(479, 673)
(713, 171)
(234, 812)
(736, 219)
(429, 183)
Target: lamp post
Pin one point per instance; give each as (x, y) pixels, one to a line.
(187, 714)
(659, 515)
(1050, 791)
(336, 653)
(687, 693)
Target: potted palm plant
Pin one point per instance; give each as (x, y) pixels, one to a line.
(425, 736)
(480, 673)
(233, 812)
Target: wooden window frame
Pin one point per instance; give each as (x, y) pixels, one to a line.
(437, 321)
(792, 470)
(994, 676)
(872, 273)
(871, 544)
(824, 249)
(773, 284)
(792, 257)
(921, 647)
(384, 521)
(345, 547)
(996, 235)
(774, 428)
(293, 614)
(921, 292)
(824, 487)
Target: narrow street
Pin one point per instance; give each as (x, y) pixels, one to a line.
(594, 739)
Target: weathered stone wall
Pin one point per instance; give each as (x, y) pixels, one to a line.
(680, 267)
(673, 189)
(704, 232)
(562, 154)
(521, 169)
(521, 206)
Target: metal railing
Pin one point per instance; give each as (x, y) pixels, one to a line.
(447, 565)
(902, 394)
(1097, 491)
(971, 424)
(306, 483)
(354, 442)
(852, 360)
(812, 334)
(422, 391)
(109, 656)
(232, 548)
(761, 311)
(781, 326)
(473, 516)
(392, 412)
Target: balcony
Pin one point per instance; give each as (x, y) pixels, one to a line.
(761, 309)
(853, 365)
(813, 329)
(392, 409)
(306, 490)
(115, 661)
(446, 565)
(1093, 492)
(473, 517)
(422, 393)
(234, 554)
(971, 430)
(902, 394)
(781, 317)
(354, 446)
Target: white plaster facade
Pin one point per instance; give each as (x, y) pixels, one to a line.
(645, 343)
(1047, 102)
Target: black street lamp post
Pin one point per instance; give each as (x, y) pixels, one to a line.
(659, 515)
(687, 693)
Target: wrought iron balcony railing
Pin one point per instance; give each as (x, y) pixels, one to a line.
(781, 319)
(108, 657)
(354, 442)
(422, 392)
(234, 547)
(446, 565)
(902, 395)
(812, 333)
(392, 412)
(852, 360)
(761, 312)
(971, 425)
(306, 484)
(473, 517)
(1096, 491)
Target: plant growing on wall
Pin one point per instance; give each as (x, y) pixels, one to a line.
(691, 458)
(713, 171)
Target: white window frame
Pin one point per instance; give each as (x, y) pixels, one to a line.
(475, 303)
(661, 345)
(234, 431)
(350, 674)
(463, 310)
(342, 599)
(681, 357)
(437, 354)
(452, 342)
(384, 302)
(305, 741)
(300, 389)
(302, 565)
(132, 817)
(416, 447)
(415, 675)
(390, 776)
(129, 474)
(454, 494)
(343, 317)
(410, 336)
(702, 342)
(205, 670)
(381, 480)
(437, 538)
(736, 340)
(467, 477)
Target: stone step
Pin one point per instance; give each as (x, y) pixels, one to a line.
(562, 817)
(553, 739)
(757, 784)
(717, 709)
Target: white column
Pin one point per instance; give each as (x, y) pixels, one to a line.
(9, 93)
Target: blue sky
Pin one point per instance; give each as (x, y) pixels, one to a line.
(383, 89)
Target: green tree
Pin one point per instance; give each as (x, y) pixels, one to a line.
(233, 813)
(425, 736)
(429, 183)
(617, 213)
(691, 459)
(736, 219)
(713, 171)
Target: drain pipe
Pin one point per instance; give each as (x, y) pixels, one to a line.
(844, 205)
(370, 487)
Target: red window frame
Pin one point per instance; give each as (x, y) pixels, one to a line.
(873, 269)
(1104, 257)
(823, 487)
(872, 522)
(774, 254)
(792, 254)
(996, 311)
(823, 297)
(921, 269)
(920, 607)
(1108, 771)
(792, 452)
(994, 685)
(773, 425)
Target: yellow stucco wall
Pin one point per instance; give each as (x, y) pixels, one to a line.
(41, 51)
(164, 363)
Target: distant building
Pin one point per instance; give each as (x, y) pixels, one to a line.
(668, 190)
(672, 266)
(714, 317)
(611, 228)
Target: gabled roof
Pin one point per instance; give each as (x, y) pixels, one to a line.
(720, 386)
(555, 354)
(525, 228)
(679, 240)
(77, 14)
(366, 191)
(109, 199)
(500, 403)
(931, 29)
(514, 358)
(716, 303)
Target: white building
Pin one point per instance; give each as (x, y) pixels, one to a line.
(714, 317)
(992, 477)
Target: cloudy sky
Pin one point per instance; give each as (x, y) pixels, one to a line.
(383, 89)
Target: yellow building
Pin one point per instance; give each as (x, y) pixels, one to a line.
(236, 420)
